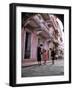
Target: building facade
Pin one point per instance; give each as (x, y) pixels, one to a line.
(40, 29)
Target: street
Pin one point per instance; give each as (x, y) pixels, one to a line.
(47, 69)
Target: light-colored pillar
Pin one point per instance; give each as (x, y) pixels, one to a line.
(23, 35)
(34, 43)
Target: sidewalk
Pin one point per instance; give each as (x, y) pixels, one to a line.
(30, 63)
(47, 69)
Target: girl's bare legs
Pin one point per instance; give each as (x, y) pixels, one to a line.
(44, 61)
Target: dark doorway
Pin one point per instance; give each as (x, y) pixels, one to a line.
(27, 45)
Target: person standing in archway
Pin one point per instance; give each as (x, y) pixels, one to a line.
(53, 55)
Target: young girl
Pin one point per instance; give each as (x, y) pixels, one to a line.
(45, 56)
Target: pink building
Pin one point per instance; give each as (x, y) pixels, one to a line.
(38, 29)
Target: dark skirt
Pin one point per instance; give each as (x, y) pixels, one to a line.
(38, 57)
(53, 58)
